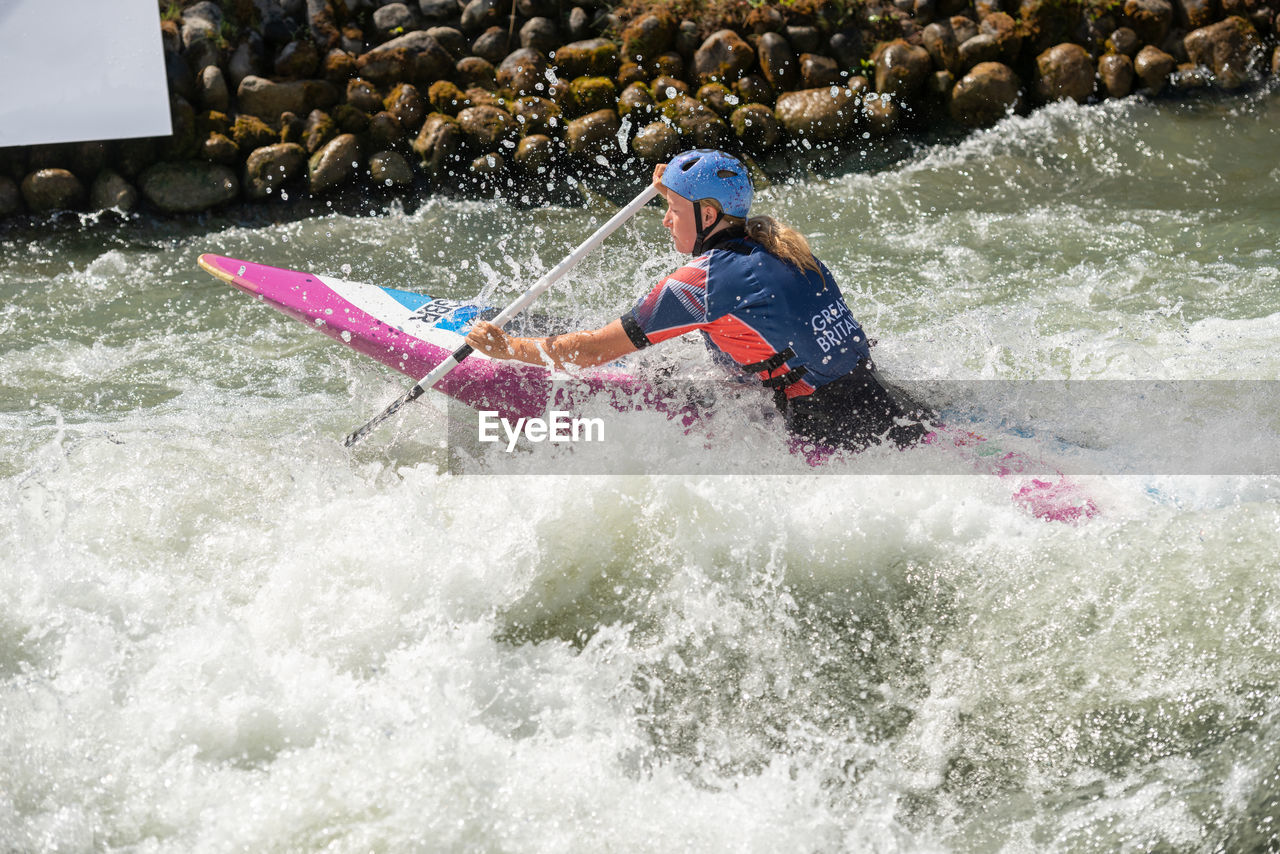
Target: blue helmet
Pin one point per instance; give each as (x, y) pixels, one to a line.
(706, 173)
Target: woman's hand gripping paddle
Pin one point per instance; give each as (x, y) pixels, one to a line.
(524, 301)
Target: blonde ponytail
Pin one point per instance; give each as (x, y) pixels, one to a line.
(778, 240)
(782, 241)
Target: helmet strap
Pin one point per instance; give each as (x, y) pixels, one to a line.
(703, 231)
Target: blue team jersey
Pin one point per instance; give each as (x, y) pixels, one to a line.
(752, 305)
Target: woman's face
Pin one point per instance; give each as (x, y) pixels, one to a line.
(680, 221)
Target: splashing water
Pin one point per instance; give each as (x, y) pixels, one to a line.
(221, 631)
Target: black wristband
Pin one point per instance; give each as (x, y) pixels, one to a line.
(632, 327)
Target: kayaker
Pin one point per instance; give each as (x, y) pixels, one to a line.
(758, 295)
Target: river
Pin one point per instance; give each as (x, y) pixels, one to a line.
(222, 631)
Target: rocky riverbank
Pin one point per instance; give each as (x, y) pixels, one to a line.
(312, 100)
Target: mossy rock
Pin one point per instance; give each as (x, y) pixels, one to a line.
(537, 116)
(1115, 75)
(109, 192)
(901, 68)
(271, 167)
(637, 102)
(52, 189)
(590, 58)
(339, 66)
(630, 73)
(668, 65)
(363, 95)
(778, 62)
(292, 128)
(489, 165)
(1049, 22)
(754, 89)
(407, 105)
(593, 134)
(718, 97)
(1153, 67)
(1065, 71)
(756, 127)
(438, 142)
(536, 154)
(985, 95)
(267, 99)
(334, 164)
(298, 60)
(587, 95)
(649, 35)
(220, 148)
(415, 57)
(1230, 49)
(821, 115)
(881, 113)
(483, 98)
(250, 132)
(350, 119)
(1149, 19)
(524, 72)
(134, 155)
(666, 88)
(390, 169)
(321, 128)
(696, 122)
(1008, 33)
(210, 122)
(189, 186)
(486, 127)
(723, 57)
(385, 131)
(447, 98)
(657, 142)
(474, 71)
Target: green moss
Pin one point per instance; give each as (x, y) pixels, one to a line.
(447, 98)
(649, 36)
(250, 132)
(718, 97)
(213, 122)
(438, 142)
(537, 116)
(292, 128)
(349, 119)
(488, 126)
(755, 126)
(712, 15)
(320, 129)
(696, 122)
(227, 34)
(592, 58)
(1050, 22)
(638, 100)
(589, 94)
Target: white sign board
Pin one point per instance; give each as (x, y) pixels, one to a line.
(74, 70)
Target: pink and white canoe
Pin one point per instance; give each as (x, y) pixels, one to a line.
(413, 333)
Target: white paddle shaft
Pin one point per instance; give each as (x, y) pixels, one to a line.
(522, 302)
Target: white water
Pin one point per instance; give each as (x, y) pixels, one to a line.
(220, 631)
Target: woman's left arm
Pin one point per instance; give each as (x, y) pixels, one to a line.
(584, 349)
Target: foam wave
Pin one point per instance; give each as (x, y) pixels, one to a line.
(220, 630)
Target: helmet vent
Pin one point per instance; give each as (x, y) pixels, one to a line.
(726, 173)
(689, 164)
